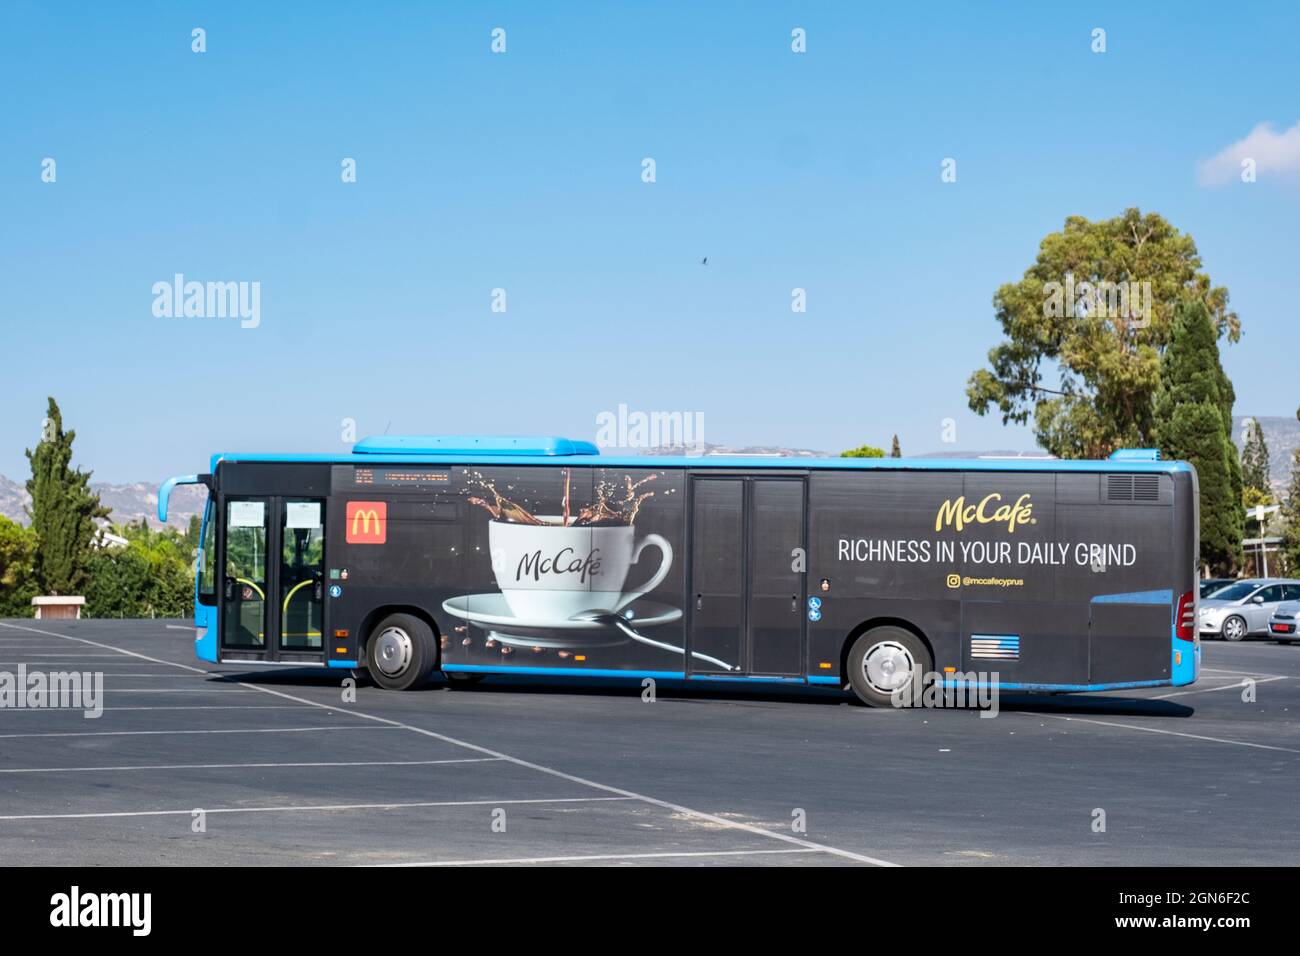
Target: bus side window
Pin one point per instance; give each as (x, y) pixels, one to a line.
(207, 557)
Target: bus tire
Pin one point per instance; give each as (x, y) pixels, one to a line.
(401, 652)
(884, 659)
(1234, 628)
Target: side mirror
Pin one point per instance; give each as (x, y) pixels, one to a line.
(1257, 599)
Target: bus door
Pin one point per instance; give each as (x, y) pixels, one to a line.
(272, 581)
(747, 578)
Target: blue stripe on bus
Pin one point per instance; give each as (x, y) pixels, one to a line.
(597, 672)
(558, 671)
(1136, 597)
(1119, 685)
(342, 663)
(762, 678)
(811, 679)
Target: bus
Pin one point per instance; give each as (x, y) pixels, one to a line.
(468, 556)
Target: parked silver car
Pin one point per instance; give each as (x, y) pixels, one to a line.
(1285, 621)
(1242, 610)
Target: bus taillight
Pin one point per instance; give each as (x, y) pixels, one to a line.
(1185, 622)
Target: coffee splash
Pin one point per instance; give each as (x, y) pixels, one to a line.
(617, 503)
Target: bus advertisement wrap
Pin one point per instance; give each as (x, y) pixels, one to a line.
(1069, 575)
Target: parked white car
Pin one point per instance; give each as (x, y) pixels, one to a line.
(1284, 621)
(1243, 609)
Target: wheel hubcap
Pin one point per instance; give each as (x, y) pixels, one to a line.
(1233, 628)
(393, 651)
(888, 666)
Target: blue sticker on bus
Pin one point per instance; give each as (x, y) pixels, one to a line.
(335, 591)
(814, 603)
(814, 614)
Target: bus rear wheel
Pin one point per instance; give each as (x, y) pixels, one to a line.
(885, 660)
(401, 652)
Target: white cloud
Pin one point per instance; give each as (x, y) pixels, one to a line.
(1273, 152)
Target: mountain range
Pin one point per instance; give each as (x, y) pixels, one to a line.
(128, 503)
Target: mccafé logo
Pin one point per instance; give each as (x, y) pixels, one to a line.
(957, 513)
(367, 522)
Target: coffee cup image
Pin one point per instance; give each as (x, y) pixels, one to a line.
(551, 572)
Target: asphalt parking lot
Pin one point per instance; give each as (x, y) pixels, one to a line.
(285, 772)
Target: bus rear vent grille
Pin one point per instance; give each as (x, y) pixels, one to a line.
(1132, 487)
(995, 647)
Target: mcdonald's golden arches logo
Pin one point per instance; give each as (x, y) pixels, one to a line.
(367, 522)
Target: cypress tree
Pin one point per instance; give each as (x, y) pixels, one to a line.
(1291, 517)
(1194, 410)
(1254, 460)
(63, 510)
(1291, 514)
(894, 450)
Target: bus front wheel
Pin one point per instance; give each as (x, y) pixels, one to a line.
(883, 661)
(401, 652)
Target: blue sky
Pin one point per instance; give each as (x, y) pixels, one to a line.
(523, 171)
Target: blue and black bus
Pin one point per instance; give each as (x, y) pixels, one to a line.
(472, 556)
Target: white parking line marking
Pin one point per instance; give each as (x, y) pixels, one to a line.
(180, 690)
(129, 674)
(242, 766)
(1206, 690)
(46, 654)
(1217, 670)
(62, 665)
(317, 808)
(237, 730)
(628, 794)
(180, 627)
(1172, 733)
(114, 710)
(601, 856)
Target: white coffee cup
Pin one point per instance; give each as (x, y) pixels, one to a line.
(550, 572)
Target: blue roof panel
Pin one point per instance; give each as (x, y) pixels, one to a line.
(531, 445)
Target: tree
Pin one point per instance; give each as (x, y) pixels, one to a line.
(864, 451)
(1083, 309)
(193, 532)
(17, 556)
(1254, 462)
(895, 451)
(1291, 514)
(152, 576)
(63, 510)
(1291, 517)
(1196, 426)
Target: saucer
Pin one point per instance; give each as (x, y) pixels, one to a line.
(490, 611)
